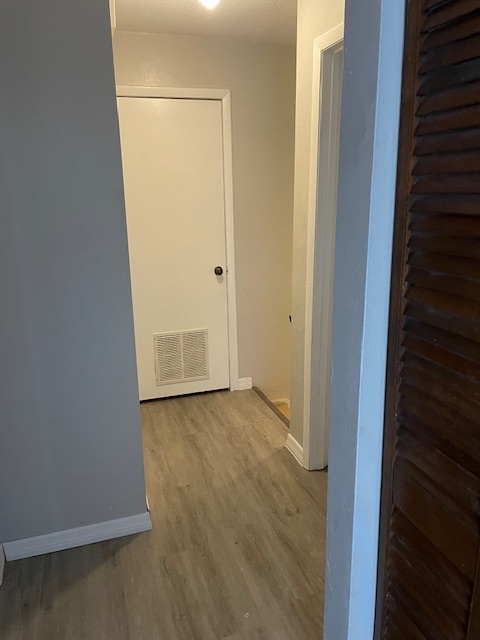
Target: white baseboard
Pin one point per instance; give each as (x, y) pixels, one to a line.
(2, 564)
(295, 449)
(60, 540)
(244, 383)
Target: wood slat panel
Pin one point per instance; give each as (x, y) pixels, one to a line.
(461, 486)
(452, 343)
(457, 543)
(431, 4)
(412, 611)
(451, 265)
(409, 576)
(448, 163)
(462, 247)
(464, 516)
(447, 183)
(442, 319)
(457, 587)
(448, 11)
(458, 226)
(446, 618)
(458, 30)
(448, 142)
(430, 532)
(448, 77)
(447, 121)
(460, 51)
(442, 283)
(399, 624)
(473, 632)
(423, 415)
(461, 96)
(442, 388)
(446, 203)
(455, 305)
(442, 356)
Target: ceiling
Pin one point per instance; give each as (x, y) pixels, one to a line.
(271, 21)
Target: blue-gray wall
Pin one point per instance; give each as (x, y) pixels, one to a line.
(70, 444)
(368, 153)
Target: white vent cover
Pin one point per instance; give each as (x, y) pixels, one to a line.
(181, 356)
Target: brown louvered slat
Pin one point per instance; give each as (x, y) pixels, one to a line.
(449, 120)
(468, 227)
(465, 162)
(463, 516)
(441, 356)
(457, 587)
(461, 247)
(454, 53)
(455, 305)
(458, 30)
(473, 632)
(446, 203)
(443, 618)
(443, 319)
(430, 525)
(445, 284)
(448, 77)
(428, 406)
(453, 265)
(468, 350)
(448, 142)
(447, 183)
(452, 480)
(448, 11)
(400, 626)
(462, 96)
(411, 611)
(445, 388)
(411, 578)
(457, 543)
(431, 4)
(424, 416)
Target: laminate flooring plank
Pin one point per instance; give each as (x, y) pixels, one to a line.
(237, 550)
(254, 634)
(20, 597)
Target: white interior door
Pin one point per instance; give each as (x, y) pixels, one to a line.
(172, 153)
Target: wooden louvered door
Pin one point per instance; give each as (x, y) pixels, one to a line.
(428, 581)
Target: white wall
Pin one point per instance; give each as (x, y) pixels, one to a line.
(314, 19)
(262, 82)
(70, 443)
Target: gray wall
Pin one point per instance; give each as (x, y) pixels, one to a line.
(70, 444)
(368, 152)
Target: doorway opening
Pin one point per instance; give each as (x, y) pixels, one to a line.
(263, 158)
(257, 79)
(326, 106)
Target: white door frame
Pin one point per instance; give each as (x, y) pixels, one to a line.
(222, 95)
(322, 208)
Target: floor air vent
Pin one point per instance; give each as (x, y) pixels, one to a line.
(181, 356)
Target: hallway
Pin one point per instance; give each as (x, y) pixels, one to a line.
(236, 551)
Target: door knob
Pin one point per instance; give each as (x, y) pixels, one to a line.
(218, 271)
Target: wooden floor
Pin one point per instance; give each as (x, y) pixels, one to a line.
(236, 551)
(284, 408)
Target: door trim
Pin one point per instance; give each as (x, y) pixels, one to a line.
(222, 95)
(320, 250)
